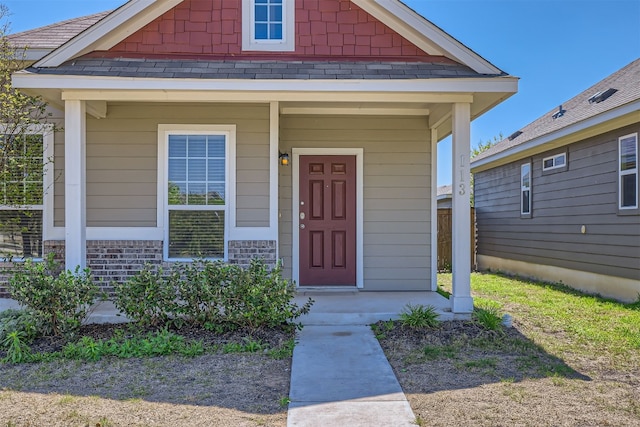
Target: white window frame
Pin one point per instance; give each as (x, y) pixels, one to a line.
(524, 188)
(164, 131)
(622, 173)
(46, 207)
(554, 158)
(249, 42)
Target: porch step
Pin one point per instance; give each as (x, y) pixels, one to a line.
(364, 308)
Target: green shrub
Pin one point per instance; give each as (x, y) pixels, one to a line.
(199, 292)
(419, 316)
(210, 294)
(149, 296)
(258, 297)
(59, 298)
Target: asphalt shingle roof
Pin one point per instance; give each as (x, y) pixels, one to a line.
(253, 69)
(54, 35)
(577, 109)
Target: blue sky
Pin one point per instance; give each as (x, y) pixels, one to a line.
(558, 48)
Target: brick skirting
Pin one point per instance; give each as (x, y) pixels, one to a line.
(113, 261)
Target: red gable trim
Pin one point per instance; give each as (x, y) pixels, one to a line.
(329, 29)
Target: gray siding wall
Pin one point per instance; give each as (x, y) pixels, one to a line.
(122, 161)
(585, 193)
(397, 191)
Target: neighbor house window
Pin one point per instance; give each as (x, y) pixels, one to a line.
(197, 202)
(628, 171)
(554, 162)
(21, 196)
(525, 189)
(268, 25)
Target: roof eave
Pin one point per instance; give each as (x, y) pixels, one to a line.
(110, 30)
(424, 34)
(609, 120)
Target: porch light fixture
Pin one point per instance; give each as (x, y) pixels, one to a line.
(284, 158)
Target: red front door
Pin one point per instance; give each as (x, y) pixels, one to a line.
(327, 220)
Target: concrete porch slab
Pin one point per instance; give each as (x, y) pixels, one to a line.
(330, 307)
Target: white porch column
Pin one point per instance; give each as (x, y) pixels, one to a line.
(75, 195)
(461, 301)
(434, 209)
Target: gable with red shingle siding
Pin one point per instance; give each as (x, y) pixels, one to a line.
(324, 28)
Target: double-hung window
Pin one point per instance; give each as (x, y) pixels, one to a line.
(525, 189)
(197, 193)
(628, 171)
(268, 25)
(21, 195)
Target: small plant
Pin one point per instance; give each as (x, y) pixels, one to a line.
(17, 349)
(489, 317)
(59, 298)
(419, 316)
(380, 329)
(284, 351)
(18, 320)
(433, 352)
(284, 401)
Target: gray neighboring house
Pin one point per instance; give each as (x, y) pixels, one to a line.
(444, 197)
(558, 199)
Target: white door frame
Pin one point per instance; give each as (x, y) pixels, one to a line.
(295, 197)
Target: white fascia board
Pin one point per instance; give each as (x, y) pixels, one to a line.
(36, 54)
(425, 34)
(562, 136)
(110, 30)
(27, 80)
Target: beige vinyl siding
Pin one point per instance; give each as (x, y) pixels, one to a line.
(563, 200)
(122, 161)
(397, 189)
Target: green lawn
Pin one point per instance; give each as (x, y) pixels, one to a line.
(561, 320)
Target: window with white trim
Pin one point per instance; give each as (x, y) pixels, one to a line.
(628, 171)
(268, 25)
(197, 193)
(554, 162)
(525, 189)
(21, 196)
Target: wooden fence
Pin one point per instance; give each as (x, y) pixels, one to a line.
(445, 239)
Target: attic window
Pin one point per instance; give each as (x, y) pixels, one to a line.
(559, 113)
(515, 135)
(268, 25)
(601, 96)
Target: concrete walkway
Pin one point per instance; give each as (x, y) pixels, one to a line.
(341, 377)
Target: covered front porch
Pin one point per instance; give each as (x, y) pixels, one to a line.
(260, 119)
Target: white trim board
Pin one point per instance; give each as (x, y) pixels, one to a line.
(295, 201)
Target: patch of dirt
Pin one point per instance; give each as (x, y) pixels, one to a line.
(461, 374)
(214, 389)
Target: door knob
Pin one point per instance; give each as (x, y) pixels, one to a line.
(302, 215)
(302, 226)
